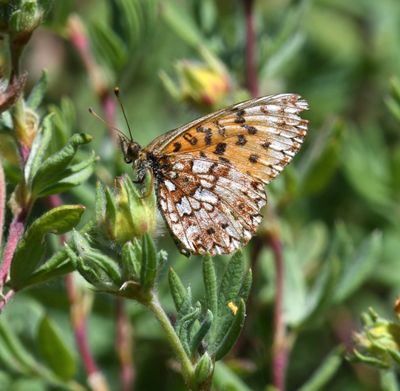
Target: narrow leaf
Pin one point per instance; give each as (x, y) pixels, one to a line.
(233, 333)
(107, 45)
(203, 371)
(322, 293)
(53, 167)
(38, 91)
(231, 282)
(92, 262)
(246, 285)
(201, 332)
(325, 372)
(389, 381)
(295, 291)
(183, 26)
(178, 291)
(57, 265)
(39, 148)
(184, 326)
(210, 285)
(10, 341)
(72, 176)
(131, 256)
(225, 378)
(100, 203)
(30, 249)
(360, 267)
(149, 263)
(55, 351)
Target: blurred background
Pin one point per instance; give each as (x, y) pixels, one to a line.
(335, 209)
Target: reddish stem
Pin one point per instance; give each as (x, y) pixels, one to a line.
(109, 109)
(16, 231)
(79, 325)
(280, 348)
(123, 346)
(2, 201)
(6, 298)
(251, 68)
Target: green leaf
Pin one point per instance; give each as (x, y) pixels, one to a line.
(359, 267)
(325, 372)
(323, 160)
(55, 351)
(389, 381)
(225, 378)
(53, 168)
(73, 176)
(30, 248)
(100, 203)
(178, 291)
(287, 51)
(230, 338)
(369, 177)
(181, 23)
(57, 265)
(39, 149)
(246, 285)
(38, 91)
(131, 255)
(95, 266)
(64, 122)
(210, 285)
(148, 270)
(109, 48)
(5, 380)
(134, 21)
(204, 369)
(294, 288)
(16, 349)
(322, 293)
(111, 206)
(231, 282)
(201, 332)
(184, 326)
(394, 107)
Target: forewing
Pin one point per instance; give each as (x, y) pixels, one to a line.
(210, 207)
(258, 137)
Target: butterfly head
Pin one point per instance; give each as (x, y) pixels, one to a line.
(130, 149)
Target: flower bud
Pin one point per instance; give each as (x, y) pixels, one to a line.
(204, 370)
(126, 213)
(22, 20)
(205, 84)
(379, 342)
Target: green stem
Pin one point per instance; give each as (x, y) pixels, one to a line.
(187, 368)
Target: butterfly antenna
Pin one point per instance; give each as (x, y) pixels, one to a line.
(91, 111)
(116, 92)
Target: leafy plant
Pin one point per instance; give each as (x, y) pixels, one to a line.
(327, 249)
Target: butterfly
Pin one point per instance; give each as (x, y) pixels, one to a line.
(210, 173)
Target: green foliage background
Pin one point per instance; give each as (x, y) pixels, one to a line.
(335, 207)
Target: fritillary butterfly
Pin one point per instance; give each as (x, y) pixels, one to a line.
(210, 173)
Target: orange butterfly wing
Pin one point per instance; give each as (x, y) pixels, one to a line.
(213, 170)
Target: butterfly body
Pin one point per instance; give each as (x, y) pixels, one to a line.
(210, 173)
